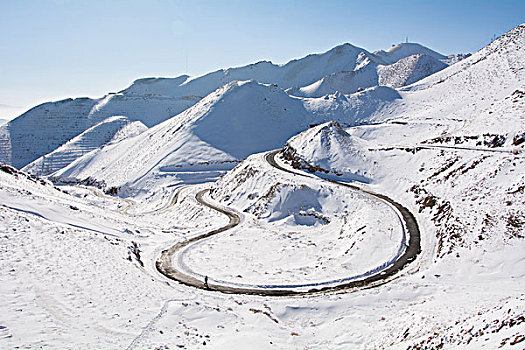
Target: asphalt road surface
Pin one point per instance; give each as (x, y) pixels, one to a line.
(164, 263)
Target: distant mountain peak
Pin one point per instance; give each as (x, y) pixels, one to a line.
(403, 50)
(345, 47)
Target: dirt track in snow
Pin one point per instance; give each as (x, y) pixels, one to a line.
(164, 262)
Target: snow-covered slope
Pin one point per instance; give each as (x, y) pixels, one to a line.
(409, 70)
(499, 62)
(77, 271)
(233, 122)
(42, 129)
(370, 105)
(327, 148)
(405, 71)
(3, 121)
(345, 82)
(148, 108)
(108, 131)
(48, 126)
(403, 50)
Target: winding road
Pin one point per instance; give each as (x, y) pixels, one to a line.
(164, 262)
(129, 203)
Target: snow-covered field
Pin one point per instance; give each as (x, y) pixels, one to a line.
(79, 265)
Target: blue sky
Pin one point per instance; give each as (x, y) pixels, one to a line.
(55, 49)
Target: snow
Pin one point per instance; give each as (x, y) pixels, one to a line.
(345, 82)
(154, 100)
(235, 121)
(318, 231)
(110, 130)
(46, 127)
(370, 105)
(333, 151)
(79, 265)
(401, 72)
(409, 70)
(403, 50)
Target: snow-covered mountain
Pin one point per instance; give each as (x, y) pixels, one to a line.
(408, 70)
(327, 148)
(3, 121)
(236, 120)
(299, 72)
(236, 125)
(109, 131)
(345, 68)
(403, 50)
(404, 71)
(48, 126)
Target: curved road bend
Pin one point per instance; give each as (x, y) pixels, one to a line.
(98, 193)
(165, 267)
(130, 203)
(162, 209)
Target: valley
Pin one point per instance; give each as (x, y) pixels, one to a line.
(348, 199)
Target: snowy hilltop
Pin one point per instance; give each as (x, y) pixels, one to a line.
(343, 200)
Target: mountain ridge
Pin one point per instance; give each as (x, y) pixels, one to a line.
(153, 100)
